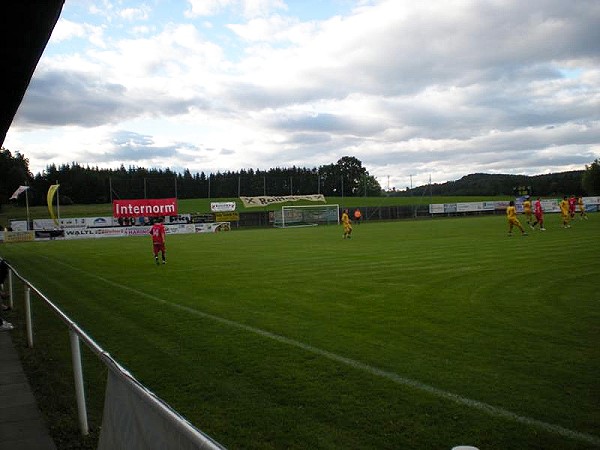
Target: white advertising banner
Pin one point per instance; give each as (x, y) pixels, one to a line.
(86, 233)
(214, 227)
(469, 207)
(222, 206)
(436, 208)
(18, 225)
(43, 224)
(101, 222)
(548, 205)
(75, 222)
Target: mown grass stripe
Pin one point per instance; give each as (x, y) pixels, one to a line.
(394, 377)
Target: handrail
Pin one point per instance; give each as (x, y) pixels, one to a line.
(76, 334)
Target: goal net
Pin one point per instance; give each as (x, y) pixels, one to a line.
(307, 216)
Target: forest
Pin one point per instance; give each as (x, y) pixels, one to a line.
(92, 185)
(345, 178)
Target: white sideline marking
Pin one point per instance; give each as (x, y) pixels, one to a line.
(480, 406)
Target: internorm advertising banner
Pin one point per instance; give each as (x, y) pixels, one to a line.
(150, 207)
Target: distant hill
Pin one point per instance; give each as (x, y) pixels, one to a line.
(553, 184)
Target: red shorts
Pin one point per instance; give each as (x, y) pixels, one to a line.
(158, 247)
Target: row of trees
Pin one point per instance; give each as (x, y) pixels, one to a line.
(88, 185)
(347, 178)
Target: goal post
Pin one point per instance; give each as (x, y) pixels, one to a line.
(307, 216)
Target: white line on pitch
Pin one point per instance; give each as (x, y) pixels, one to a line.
(480, 406)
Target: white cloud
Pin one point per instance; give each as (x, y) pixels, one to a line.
(247, 8)
(441, 88)
(132, 14)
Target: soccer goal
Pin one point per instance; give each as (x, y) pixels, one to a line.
(307, 216)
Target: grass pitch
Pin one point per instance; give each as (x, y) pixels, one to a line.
(411, 335)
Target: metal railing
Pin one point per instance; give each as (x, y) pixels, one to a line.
(76, 334)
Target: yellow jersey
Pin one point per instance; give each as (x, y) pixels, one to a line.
(511, 213)
(564, 207)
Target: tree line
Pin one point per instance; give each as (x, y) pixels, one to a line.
(345, 178)
(93, 185)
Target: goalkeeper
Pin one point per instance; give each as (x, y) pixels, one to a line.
(347, 224)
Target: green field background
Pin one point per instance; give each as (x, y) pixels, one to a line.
(202, 205)
(398, 338)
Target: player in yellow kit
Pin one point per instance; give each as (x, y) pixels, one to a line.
(527, 210)
(582, 213)
(347, 224)
(511, 215)
(564, 212)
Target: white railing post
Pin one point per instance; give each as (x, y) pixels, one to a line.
(28, 322)
(78, 375)
(10, 289)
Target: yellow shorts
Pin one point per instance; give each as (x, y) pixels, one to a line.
(514, 221)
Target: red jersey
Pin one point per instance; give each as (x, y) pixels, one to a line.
(572, 203)
(537, 208)
(158, 233)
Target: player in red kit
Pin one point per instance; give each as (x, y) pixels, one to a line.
(572, 205)
(539, 215)
(158, 234)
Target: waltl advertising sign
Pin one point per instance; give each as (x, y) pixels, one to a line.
(145, 207)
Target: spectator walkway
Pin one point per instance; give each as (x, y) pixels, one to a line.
(21, 423)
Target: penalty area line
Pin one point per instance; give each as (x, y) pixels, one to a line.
(394, 377)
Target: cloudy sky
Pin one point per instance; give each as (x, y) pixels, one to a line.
(415, 90)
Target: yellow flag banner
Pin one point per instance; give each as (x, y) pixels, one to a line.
(51, 191)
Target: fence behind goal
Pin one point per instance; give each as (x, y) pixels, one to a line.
(307, 216)
(134, 417)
